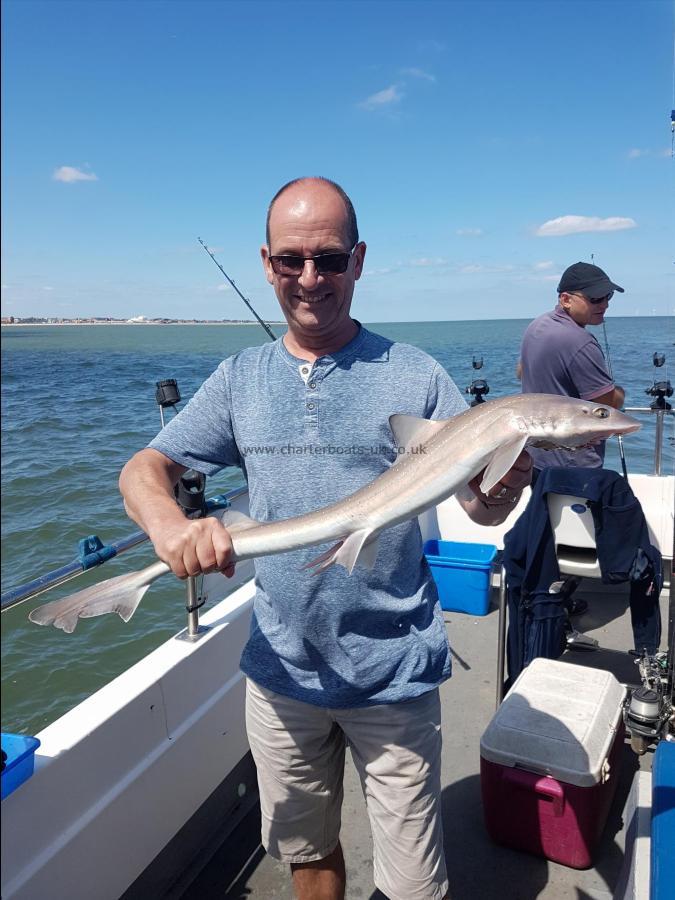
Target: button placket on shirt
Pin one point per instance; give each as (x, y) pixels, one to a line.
(312, 377)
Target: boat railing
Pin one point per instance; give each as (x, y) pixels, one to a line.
(660, 411)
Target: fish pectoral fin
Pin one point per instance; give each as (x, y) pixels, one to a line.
(354, 549)
(411, 431)
(502, 460)
(236, 521)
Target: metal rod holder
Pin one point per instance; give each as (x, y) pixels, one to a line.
(192, 600)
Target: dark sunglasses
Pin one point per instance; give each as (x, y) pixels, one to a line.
(326, 263)
(595, 301)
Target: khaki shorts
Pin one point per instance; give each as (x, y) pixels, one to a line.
(299, 750)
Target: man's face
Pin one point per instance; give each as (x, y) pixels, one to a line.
(580, 308)
(310, 219)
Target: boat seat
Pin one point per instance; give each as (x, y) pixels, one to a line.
(573, 535)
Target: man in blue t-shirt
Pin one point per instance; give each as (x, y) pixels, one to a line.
(338, 658)
(559, 356)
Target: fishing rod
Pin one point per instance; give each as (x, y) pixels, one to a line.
(267, 328)
(92, 553)
(611, 375)
(622, 455)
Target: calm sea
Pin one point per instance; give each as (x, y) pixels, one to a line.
(79, 400)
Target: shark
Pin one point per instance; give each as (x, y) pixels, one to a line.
(439, 458)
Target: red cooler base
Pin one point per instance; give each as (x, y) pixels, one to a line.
(536, 813)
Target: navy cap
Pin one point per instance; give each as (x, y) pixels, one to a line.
(586, 279)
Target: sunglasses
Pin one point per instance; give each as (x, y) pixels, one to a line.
(595, 301)
(326, 263)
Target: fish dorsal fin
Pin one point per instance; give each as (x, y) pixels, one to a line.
(501, 461)
(236, 521)
(410, 431)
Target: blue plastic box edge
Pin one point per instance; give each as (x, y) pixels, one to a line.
(20, 750)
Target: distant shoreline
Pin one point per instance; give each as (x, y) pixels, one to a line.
(135, 324)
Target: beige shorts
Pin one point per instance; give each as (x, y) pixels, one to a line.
(299, 750)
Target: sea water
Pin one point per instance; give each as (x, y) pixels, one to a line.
(79, 400)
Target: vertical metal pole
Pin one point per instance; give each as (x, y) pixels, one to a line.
(501, 638)
(660, 416)
(193, 614)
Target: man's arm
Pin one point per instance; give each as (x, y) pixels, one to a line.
(493, 508)
(614, 398)
(188, 546)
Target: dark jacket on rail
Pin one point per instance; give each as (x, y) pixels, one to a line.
(537, 617)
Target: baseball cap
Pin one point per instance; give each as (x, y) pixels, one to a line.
(587, 279)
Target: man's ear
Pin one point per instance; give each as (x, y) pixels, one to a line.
(267, 265)
(360, 254)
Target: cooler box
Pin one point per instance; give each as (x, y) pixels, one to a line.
(462, 574)
(550, 761)
(18, 759)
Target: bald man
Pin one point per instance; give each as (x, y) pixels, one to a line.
(335, 659)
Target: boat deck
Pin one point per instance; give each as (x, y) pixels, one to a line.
(476, 866)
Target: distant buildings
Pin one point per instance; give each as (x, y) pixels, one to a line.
(134, 320)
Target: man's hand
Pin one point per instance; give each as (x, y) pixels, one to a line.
(510, 486)
(194, 547)
(494, 507)
(188, 546)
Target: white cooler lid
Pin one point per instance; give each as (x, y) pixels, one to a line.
(558, 719)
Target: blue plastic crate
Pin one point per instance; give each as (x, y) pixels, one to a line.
(462, 574)
(20, 750)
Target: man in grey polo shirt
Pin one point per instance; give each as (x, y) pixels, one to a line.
(335, 658)
(559, 356)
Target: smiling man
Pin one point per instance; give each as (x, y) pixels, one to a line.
(336, 660)
(558, 355)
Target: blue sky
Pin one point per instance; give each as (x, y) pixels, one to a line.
(486, 146)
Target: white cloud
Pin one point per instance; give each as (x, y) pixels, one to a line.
(580, 224)
(223, 287)
(385, 271)
(636, 153)
(426, 261)
(418, 73)
(382, 99)
(47, 287)
(470, 269)
(469, 232)
(545, 264)
(69, 174)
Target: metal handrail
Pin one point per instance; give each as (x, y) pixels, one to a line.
(101, 554)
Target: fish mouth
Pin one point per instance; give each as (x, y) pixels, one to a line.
(572, 443)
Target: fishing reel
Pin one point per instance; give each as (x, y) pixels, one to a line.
(648, 712)
(660, 389)
(478, 386)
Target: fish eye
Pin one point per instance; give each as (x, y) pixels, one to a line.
(601, 412)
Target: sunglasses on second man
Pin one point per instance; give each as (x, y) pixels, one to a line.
(594, 301)
(326, 263)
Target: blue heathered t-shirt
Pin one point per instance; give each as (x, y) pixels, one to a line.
(305, 439)
(558, 356)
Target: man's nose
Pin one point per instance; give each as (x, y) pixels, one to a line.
(309, 275)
